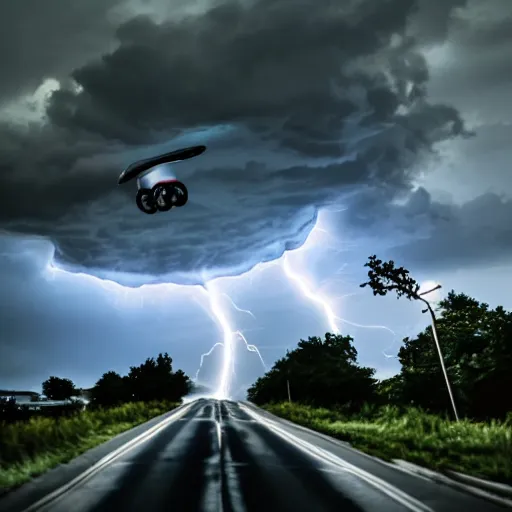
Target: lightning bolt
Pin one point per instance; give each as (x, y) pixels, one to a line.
(218, 313)
(252, 348)
(128, 296)
(324, 303)
(237, 308)
(206, 354)
(228, 342)
(306, 289)
(229, 335)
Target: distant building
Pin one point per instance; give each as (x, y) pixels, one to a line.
(21, 397)
(35, 401)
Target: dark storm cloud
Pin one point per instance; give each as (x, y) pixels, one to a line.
(308, 79)
(440, 236)
(434, 18)
(232, 229)
(474, 233)
(43, 39)
(476, 60)
(301, 71)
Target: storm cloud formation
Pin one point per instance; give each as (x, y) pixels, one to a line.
(302, 104)
(32, 40)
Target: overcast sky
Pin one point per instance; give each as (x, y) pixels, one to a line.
(333, 133)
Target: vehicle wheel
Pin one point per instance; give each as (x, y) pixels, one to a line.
(181, 194)
(144, 200)
(163, 196)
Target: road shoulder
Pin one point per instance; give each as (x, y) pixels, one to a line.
(22, 497)
(437, 493)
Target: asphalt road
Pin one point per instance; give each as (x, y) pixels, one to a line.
(224, 456)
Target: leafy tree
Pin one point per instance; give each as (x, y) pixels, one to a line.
(181, 386)
(384, 277)
(321, 373)
(477, 347)
(391, 391)
(155, 380)
(110, 390)
(151, 380)
(56, 388)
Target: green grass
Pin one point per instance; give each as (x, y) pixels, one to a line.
(33, 447)
(479, 449)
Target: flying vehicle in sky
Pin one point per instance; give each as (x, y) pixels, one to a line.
(158, 187)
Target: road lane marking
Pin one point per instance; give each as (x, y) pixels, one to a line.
(218, 428)
(324, 456)
(49, 499)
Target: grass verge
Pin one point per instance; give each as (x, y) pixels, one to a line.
(478, 449)
(30, 448)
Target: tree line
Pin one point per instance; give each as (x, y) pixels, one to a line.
(476, 347)
(153, 380)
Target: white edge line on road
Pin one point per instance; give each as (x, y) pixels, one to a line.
(405, 467)
(418, 471)
(108, 459)
(324, 456)
(336, 442)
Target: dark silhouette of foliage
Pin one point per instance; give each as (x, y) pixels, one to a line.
(181, 385)
(151, 380)
(110, 390)
(390, 391)
(56, 388)
(321, 373)
(11, 412)
(383, 277)
(477, 349)
(475, 340)
(57, 411)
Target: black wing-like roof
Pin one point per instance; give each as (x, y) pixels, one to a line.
(141, 166)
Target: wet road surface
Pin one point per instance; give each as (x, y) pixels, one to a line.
(224, 456)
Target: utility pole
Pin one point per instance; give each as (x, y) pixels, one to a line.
(385, 277)
(438, 346)
(288, 388)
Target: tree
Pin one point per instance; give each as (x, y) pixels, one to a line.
(56, 388)
(110, 390)
(321, 373)
(384, 277)
(181, 386)
(478, 354)
(155, 380)
(151, 380)
(391, 391)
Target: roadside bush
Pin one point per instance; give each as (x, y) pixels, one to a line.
(479, 449)
(33, 446)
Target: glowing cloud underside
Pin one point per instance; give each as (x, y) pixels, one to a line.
(219, 313)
